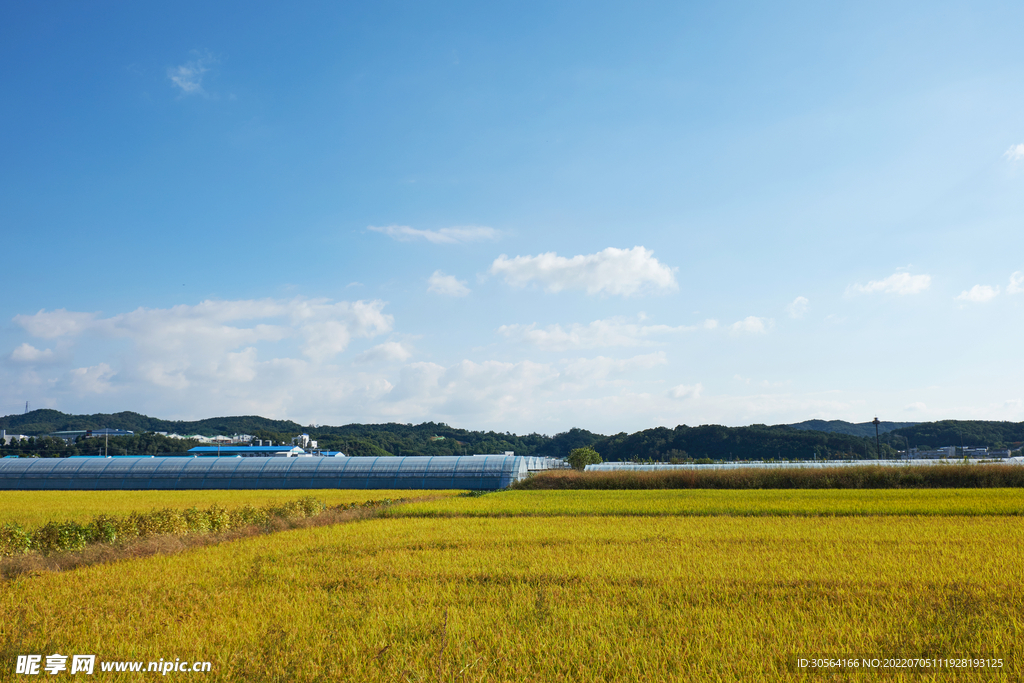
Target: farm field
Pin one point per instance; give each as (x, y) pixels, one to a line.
(546, 597)
(34, 508)
(702, 502)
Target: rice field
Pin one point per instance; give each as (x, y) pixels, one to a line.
(561, 595)
(35, 508)
(703, 502)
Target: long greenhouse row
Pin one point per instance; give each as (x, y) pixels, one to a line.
(177, 473)
(478, 472)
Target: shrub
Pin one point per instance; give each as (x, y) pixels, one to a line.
(579, 458)
(104, 529)
(197, 520)
(247, 515)
(220, 518)
(69, 536)
(60, 536)
(14, 540)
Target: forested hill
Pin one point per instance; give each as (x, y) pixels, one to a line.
(963, 433)
(926, 435)
(756, 442)
(762, 442)
(432, 438)
(39, 422)
(853, 428)
(428, 438)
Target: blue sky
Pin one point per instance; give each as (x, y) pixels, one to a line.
(521, 216)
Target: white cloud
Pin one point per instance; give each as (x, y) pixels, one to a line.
(457, 235)
(261, 357)
(470, 389)
(58, 323)
(979, 294)
(91, 380)
(1015, 152)
(598, 334)
(189, 76)
(752, 325)
(897, 283)
(447, 285)
(686, 391)
(525, 393)
(621, 272)
(586, 371)
(386, 352)
(215, 341)
(798, 308)
(915, 407)
(26, 353)
(238, 366)
(1016, 285)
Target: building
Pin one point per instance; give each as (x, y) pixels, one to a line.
(947, 452)
(250, 451)
(303, 441)
(72, 435)
(6, 438)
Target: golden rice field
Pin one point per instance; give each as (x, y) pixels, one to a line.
(727, 502)
(35, 508)
(549, 596)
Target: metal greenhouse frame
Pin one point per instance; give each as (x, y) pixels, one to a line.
(183, 473)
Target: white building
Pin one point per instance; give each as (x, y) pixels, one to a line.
(303, 441)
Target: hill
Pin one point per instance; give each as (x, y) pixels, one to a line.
(394, 438)
(852, 428)
(756, 442)
(805, 440)
(964, 433)
(39, 422)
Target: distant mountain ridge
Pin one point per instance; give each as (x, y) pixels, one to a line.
(428, 438)
(39, 422)
(851, 428)
(44, 421)
(804, 440)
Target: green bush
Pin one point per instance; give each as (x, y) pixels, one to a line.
(220, 518)
(14, 540)
(104, 529)
(60, 536)
(197, 521)
(70, 536)
(579, 458)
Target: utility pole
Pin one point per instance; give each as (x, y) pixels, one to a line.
(878, 449)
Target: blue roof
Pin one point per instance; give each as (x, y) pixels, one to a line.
(177, 473)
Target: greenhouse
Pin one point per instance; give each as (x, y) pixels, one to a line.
(659, 466)
(177, 473)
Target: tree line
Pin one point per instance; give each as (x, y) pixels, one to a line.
(139, 444)
(661, 444)
(756, 442)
